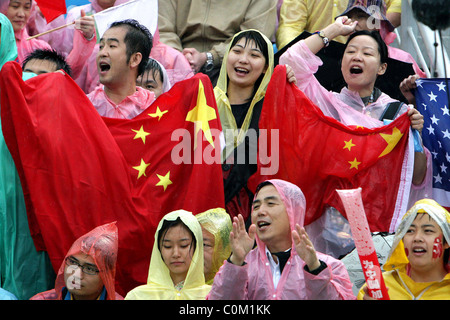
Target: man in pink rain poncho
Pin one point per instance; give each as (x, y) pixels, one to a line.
(89, 268)
(124, 53)
(174, 62)
(83, 42)
(284, 265)
(63, 39)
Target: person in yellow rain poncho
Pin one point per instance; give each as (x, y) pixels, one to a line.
(176, 265)
(418, 264)
(245, 73)
(216, 227)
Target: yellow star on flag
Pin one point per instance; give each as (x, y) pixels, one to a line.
(140, 134)
(141, 168)
(349, 145)
(158, 113)
(354, 164)
(201, 115)
(164, 180)
(392, 140)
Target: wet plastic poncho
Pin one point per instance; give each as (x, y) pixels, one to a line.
(8, 48)
(348, 108)
(175, 63)
(159, 283)
(401, 286)
(128, 108)
(223, 104)
(102, 245)
(218, 223)
(254, 279)
(76, 58)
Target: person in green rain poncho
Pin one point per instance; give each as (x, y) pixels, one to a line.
(23, 270)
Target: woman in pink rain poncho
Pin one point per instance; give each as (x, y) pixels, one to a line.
(89, 268)
(360, 103)
(298, 272)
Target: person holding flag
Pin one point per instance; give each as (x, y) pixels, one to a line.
(19, 11)
(360, 103)
(245, 73)
(418, 264)
(124, 52)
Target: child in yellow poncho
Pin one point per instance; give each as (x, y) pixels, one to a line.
(418, 264)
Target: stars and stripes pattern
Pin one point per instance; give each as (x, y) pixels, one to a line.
(433, 102)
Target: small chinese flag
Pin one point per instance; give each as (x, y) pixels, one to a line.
(51, 9)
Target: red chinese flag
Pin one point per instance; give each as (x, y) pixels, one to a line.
(320, 154)
(79, 170)
(51, 9)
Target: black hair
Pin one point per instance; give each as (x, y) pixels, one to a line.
(153, 66)
(49, 55)
(137, 39)
(255, 36)
(374, 34)
(262, 185)
(167, 224)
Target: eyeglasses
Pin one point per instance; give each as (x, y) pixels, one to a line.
(86, 268)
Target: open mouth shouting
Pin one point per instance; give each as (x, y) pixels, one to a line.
(356, 70)
(104, 67)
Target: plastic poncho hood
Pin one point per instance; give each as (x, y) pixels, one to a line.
(159, 283)
(223, 105)
(397, 256)
(295, 203)
(102, 245)
(217, 222)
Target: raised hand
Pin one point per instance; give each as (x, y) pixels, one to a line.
(407, 87)
(241, 242)
(305, 248)
(86, 24)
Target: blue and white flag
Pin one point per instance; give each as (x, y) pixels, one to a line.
(432, 100)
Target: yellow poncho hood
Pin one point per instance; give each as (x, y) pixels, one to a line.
(397, 256)
(223, 105)
(159, 283)
(217, 222)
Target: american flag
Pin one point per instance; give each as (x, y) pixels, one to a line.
(433, 102)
